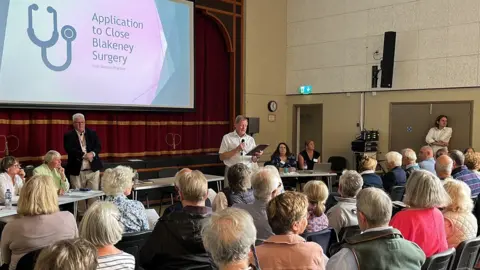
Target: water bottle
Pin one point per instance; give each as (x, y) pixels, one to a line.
(8, 198)
(305, 166)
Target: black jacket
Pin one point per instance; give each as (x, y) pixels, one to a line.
(176, 242)
(395, 177)
(72, 146)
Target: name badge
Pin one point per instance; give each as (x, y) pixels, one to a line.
(282, 162)
(315, 160)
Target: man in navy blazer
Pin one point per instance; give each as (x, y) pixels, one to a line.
(83, 148)
(396, 176)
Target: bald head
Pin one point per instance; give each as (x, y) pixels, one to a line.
(425, 153)
(444, 166)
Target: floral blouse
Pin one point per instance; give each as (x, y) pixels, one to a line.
(291, 162)
(132, 213)
(316, 224)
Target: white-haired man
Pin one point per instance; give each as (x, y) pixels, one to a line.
(229, 235)
(409, 161)
(427, 161)
(379, 246)
(235, 146)
(266, 184)
(344, 213)
(83, 166)
(395, 176)
(444, 167)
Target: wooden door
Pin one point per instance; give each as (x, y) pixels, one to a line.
(409, 124)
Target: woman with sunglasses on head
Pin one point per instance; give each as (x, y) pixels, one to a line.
(12, 177)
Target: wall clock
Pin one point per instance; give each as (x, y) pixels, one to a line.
(272, 106)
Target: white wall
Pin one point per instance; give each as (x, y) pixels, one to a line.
(331, 43)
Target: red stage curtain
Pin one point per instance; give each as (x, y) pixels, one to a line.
(138, 134)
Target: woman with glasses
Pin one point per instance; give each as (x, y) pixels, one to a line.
(117, 185)
(12, 177)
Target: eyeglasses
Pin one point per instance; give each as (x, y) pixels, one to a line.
(17, 165)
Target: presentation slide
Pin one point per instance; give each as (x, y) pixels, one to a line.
(105, 53)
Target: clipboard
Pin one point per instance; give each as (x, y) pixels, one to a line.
(258, 148)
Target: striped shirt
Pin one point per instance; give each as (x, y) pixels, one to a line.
(469, 177)
(118, 261)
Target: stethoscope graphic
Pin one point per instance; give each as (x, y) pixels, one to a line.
(68, 34)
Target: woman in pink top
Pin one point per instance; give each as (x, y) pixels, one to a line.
(287, 215)
(421, 222)
(317, 193)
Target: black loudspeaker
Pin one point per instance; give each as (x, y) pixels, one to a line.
(388, 59)
(253, 125)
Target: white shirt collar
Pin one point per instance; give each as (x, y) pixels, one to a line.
(367, 172)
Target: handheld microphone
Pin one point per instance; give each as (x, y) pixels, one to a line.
(241, 153)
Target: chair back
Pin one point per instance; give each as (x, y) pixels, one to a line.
(467, 254)
(324, 238)
(338, 163)
(27, 261)
(397, 193)
(348, 232)
(440, 261)
(132, 243)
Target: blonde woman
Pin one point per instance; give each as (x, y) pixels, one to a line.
(317, 194)
(472, 161)
(101, 227)
(460, 223)
(73, 254)
(421, 222)
(52, 167)
(40, 223)
(117, 185)
(367, 171)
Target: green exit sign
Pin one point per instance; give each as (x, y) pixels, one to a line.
(305, 89)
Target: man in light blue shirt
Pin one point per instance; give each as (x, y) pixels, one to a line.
(427, 162)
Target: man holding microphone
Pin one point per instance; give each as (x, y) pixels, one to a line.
(235, 146)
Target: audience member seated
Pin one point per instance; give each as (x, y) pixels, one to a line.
(427, 162)
(12, 177)
(228, 236)
(344, 213)
(73, 254)
(317, 194)
(421, 222)
(52, 167)
(308, 157)
(176, 241)
(40, 223)
(409, 161)
(287, 215)
(441, 152)
(283, 158)
(266, 184)
(469, 150)
(395, 176)
(101, 226)
(177, 206)
(472, 161)
(462, 173)
(117, 185)
(367, 171)
(379, 246)
(444, 167)
(239, 188)
(460, 223)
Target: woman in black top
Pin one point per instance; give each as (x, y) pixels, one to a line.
(308, 156)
